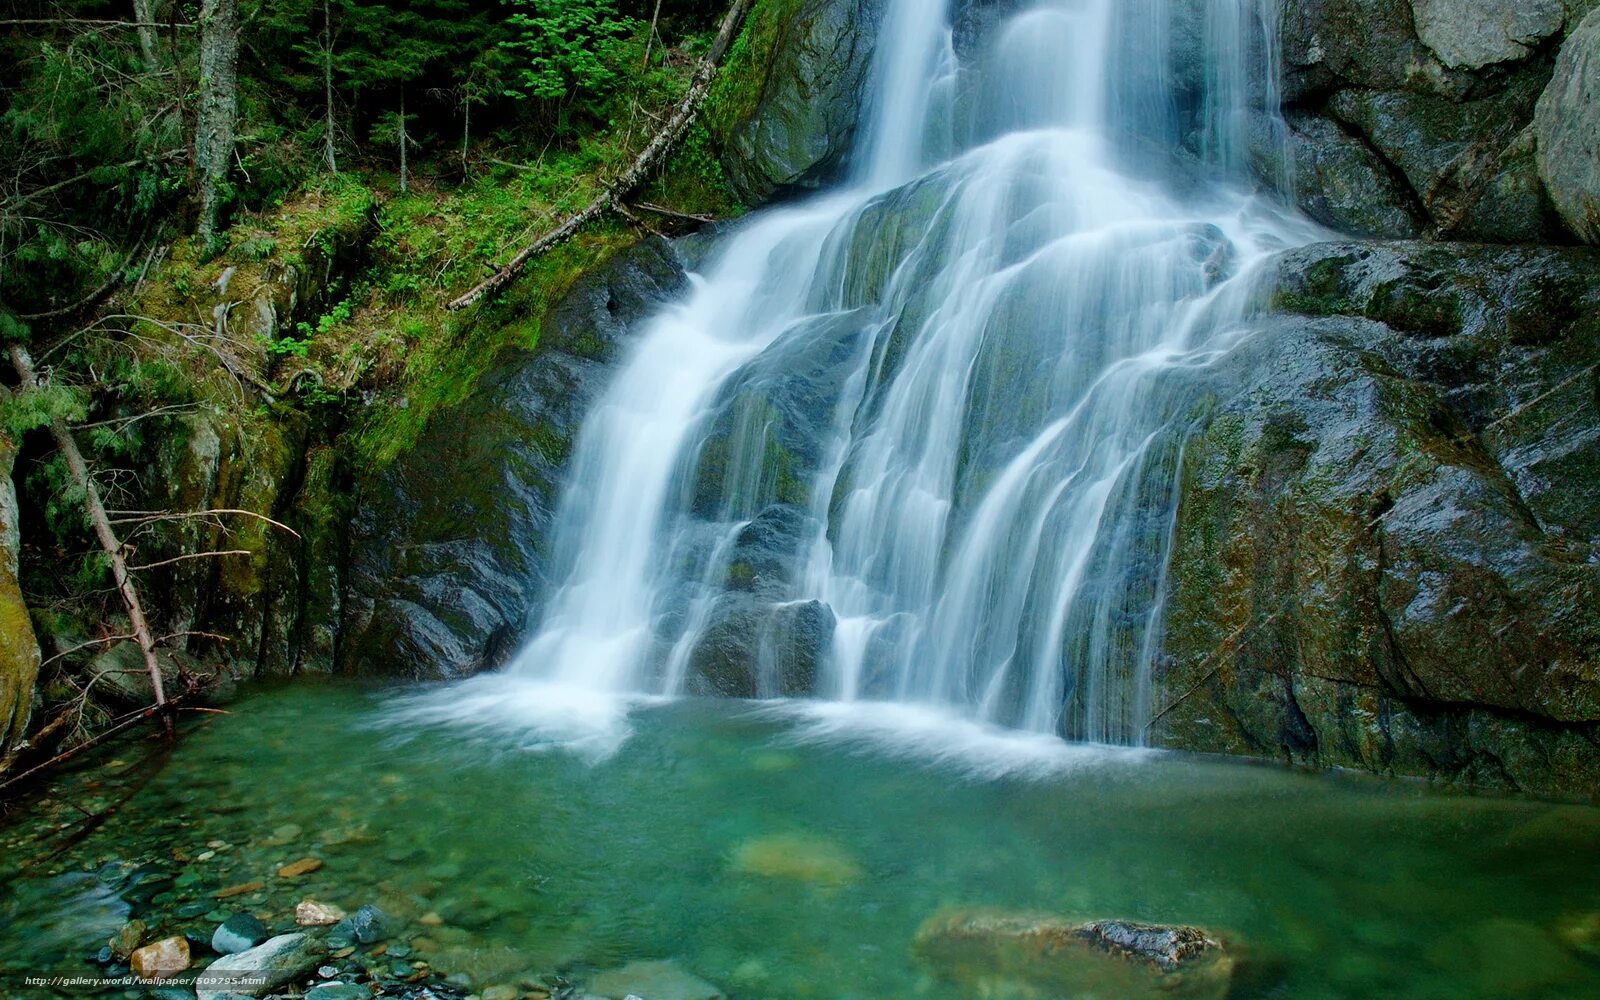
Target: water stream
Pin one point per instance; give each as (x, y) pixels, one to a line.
(791, 851)
(943, 402)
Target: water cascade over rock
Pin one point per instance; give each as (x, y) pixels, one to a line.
(915, 439)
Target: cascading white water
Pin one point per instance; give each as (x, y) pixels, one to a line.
(950, 389)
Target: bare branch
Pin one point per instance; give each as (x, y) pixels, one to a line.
(192, 555)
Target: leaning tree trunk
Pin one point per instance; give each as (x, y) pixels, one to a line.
(219, 110)
(120, 574)
(636, 174)
(19, 647)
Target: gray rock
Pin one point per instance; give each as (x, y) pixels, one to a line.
(1410, 462)
(1365, 43)
(1467, 162)
(752, 648)
(1061, 957)
(1568, 128)
(1335, 178)
(801, 127)
(368, 925)
(240, 932)
(277, 962)
(446, 554)
(338, 991)
(1472, 34)
(121, 675)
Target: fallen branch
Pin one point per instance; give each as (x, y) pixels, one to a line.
(669, 213)
(631, 178)
(148, 516)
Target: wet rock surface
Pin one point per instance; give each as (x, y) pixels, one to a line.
(810, 103)
(1568, 128)
(447, 544)
(1418, 118)
(1385, 551)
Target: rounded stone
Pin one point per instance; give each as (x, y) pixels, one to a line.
(1567, 124)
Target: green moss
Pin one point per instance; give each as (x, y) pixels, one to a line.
(733, 98)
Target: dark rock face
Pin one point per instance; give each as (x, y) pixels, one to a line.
(1426, 110)
(1385, 554)
(752, 648)
(446, 551)
(811, 98)
(1338, 179)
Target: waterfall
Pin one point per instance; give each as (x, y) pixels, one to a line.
(917, 438)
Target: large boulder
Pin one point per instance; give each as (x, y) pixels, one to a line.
(1384, 553)
(1466, 162)
(261, 970)
(1568, 127)
(815, 56)
(1472, 34)
(754, 648)
(446, 552)
(981, 948)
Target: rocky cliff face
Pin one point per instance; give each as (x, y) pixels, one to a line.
(1385, 554)
(1453, 119)
(447, 546)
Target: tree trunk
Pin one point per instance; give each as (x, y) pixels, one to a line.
(120, 574)
(327, 87)
(19, 647)
(635, 175)
(219, 110)
(144, 12)
(403, 179)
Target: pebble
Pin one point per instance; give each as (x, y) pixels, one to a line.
(240, 932)
(430, 919)
(499, 993)
(310, 913)
(238, 890)
(205, 855)
(128, 939)
(284, 834)
(161, 960)
(304, 866)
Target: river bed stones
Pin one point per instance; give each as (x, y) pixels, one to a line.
(1119, 959)
(310, 913)
(274, 963)
(240, 932)
(161, 960)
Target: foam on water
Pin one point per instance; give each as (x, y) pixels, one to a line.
(943, 738)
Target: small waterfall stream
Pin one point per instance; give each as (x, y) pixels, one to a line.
(916, 439)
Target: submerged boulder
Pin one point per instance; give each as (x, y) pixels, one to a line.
(1098, 958)
(447, 543)
(652, 981)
